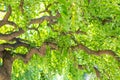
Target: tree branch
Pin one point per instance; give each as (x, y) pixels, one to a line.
(50, 19)
(1, 54)
(15, 45)
(12, 23)
(7, 15)
(26, 57)
(11, 35)
(98, 53)
(97, 72)
(40, 20)
(21, 6)
(2, 22)
(40, 51)
(81, 67)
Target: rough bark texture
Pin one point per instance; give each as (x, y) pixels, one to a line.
(6, 68)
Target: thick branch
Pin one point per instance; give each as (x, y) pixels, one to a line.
(15, 45)
(26, 57)
(12, 35)
(7, 15)
(40, 51)
(5, 19)
(11, 23)
(6, 68)
(50, 19)
(1, 54)
(98, 53)
(2, 22)
(40, 20)
(8, 22)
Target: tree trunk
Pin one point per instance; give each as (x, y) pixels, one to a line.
(6, 68)
(4, 75)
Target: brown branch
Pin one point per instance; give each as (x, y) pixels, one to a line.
(21, 6)
(2, 22)
(97, 72)
(19, 40)
(15, 45)
(50, 19)
(12, 23)
(81, 67)
(9, 23)
(5, 19)
(52, 45)
(7, 15)
(47, 8)
(40, 51)
(7, 62)
(26, 57)
(1, 54)
(98, 53)
(12, 35)
(40, 20)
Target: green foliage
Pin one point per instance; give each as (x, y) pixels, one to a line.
(98, 18)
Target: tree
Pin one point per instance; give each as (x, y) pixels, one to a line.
(78, 34)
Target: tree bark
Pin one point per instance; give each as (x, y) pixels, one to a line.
(6, 68)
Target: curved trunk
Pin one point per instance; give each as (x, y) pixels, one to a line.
(4, 74)
(6, 68)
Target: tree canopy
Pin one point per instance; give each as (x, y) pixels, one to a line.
(59, 39)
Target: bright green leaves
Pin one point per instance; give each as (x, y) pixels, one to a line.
(99, 19)
(6, 29)
(21, 50)
(64, 42)
(63, 9)
(1, 61)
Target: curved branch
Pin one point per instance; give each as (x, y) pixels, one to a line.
(40, 51)
(17, 44)
(98, 53)
(40, 20)
(11, 23)
(50, 19)
(26, 57)
(2, 22)
(7, 15)
(12, 35)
